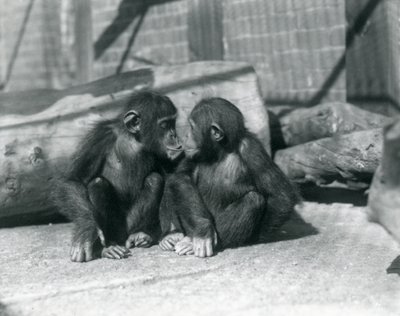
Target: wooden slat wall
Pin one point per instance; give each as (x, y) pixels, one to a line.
(84, 40)
(205, 30)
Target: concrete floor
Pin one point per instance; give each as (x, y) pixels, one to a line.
(335, 265)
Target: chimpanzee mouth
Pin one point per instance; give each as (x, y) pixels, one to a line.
(190, 150)
(174, 153)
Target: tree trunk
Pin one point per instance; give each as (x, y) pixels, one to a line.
(350, 158)
(35, 148)
(324, 120)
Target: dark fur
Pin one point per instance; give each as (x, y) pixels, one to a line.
(114, 180)
(230, 186)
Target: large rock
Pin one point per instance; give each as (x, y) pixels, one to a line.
(35, 148)
(384, 195)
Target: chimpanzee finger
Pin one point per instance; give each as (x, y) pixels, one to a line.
(215, 240)
(202, 251)
(140, 242)
(88, 251)
(126, 252)
(73, 254)
(80, 255)
(185, 250)
(115, 254)
(166, 245)
(123, 249)
(119, 251)
(128, 243)
(209, 248)
(108, 255)
(169, 242)
(145, 244)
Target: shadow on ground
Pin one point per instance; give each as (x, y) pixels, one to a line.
(394, 266)
(4, 310)
(330, 195)
(296, 227)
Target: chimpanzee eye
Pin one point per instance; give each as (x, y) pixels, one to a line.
(164, 125)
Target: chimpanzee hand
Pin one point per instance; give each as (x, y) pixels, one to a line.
(198, 246)
(204, 247)
(139, 239)
(81, 251)
(85, 245)
(115, 252)
(184, 247)
(169, 241)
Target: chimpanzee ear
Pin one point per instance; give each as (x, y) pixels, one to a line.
(217, 132)
(132, 121)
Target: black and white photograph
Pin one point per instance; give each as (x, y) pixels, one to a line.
(199, 157)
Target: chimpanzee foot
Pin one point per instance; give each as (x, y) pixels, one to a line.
(139, 239)
(115, 252)
(169, 241)
(82, 251)
(184, 247)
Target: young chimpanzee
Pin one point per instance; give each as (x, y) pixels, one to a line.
(113, 188)
(224, 188)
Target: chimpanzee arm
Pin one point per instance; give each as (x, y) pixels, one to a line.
(141, 219)
(188, 205)
(71, 195)
(270, 181)
(93, 150)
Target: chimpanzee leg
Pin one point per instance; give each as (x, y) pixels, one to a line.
(72, 200)
(142, 218)
(106, 211)
(171, 230)
(109, 218)
(237, 224)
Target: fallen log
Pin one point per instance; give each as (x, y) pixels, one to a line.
(325, 120)
(351, 159)
(384, 194)
(28, 102)
(36, 148)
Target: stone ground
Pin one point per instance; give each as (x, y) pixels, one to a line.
(332, 262)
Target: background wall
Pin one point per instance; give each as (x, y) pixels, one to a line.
(373, 63)
(298, 47)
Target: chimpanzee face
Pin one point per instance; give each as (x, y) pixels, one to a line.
(202, 142)
(193, 140)
(168, 141)
(157, 135)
